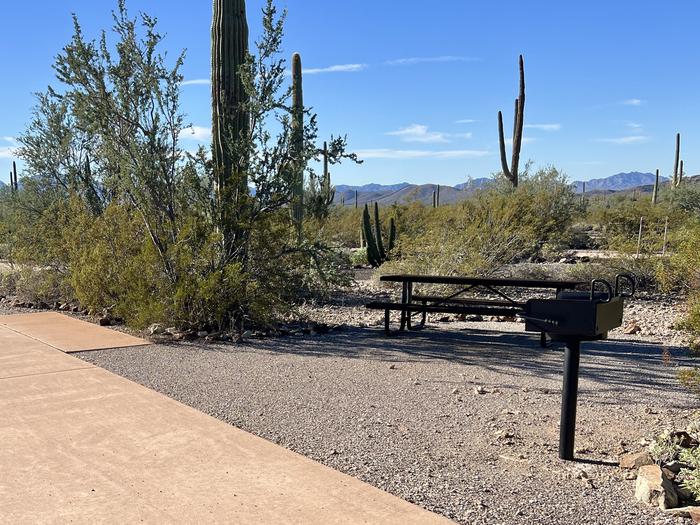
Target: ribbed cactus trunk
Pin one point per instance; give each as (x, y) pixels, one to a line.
(655, 194)
(512, 173)
(14, 185)
(230, 118)
(677, 159)
(373, 256)
(378, 233)
(297, 145)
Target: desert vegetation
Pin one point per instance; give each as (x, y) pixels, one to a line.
(110, 212)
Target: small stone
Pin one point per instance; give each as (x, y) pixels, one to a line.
(480, 390)
(632, 328)
(635, 460)
(392, 367)
(654, 488)
(455, 391)
(104, 321)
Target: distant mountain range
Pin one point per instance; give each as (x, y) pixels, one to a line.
(404, 192)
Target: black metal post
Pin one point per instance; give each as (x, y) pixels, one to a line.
(404, 301)
(409, 300)
(567, 425)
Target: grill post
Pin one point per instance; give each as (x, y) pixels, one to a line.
(567, 425)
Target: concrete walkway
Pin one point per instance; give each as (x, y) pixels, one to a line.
(81, 445)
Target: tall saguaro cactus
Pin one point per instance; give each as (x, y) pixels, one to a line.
(655, 194)
(376, 252)
(676, 180)
(230, 118)
(297, 143)
(511, 172)
(14, 185)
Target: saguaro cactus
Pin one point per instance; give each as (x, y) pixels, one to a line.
(511, 172)
(14, 184)
(676, 162)
(297, 143)
(655, 194)
(376, 254)
(230, 118)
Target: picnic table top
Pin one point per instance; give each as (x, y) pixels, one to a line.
(482, 281)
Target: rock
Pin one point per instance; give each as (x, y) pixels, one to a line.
(636, 460)
(685, 512)
(694, 514)
(104, 321)
(632, 328)
(683, 439)
(654, 488)
(479, 390)
(155, 329)
(202, 334)
(392, 367)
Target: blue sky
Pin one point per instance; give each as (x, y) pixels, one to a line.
(417, 86)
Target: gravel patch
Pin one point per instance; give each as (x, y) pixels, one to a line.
(461, 422)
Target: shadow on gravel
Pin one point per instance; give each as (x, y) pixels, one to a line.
(613, 365)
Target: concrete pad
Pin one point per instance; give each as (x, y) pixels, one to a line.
(87, 446)
(67, 333)
(21, 356)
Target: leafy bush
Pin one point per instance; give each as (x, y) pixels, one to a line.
(495, 227)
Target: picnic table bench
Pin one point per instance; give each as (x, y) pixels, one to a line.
(570, 316)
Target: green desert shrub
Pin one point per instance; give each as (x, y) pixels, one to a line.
(493, 228)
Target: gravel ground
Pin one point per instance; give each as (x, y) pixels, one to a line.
(461, 422)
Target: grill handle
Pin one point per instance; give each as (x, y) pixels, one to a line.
(608, 288)
(631, 280)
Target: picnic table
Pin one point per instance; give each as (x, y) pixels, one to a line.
(412, 304)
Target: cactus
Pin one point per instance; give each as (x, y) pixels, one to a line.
(230, 118)
(434, 199)
(518, 123)
(14, 184)
(376, 254)
(676, 181)
(655, 194)
(680, 174)
(392, 234)
(297, 143)
(438, 197)
(327, 191)
(356, 199)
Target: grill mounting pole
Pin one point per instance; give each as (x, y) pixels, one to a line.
(567, 426)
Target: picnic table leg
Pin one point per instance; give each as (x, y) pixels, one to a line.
(424, 315)
(404, 300)
(567, 425)
(543, 340)
(409, 300)
(387, 320)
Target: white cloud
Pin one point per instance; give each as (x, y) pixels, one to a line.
(425, 60)
(631, 139)
(421, 133)
(526, 140)
(340, 68)
(395, 154)
(7, 152)
(196, 82)
(466, 121)
(634, 125)
(632, 102)
(198, 133)
(544, 127)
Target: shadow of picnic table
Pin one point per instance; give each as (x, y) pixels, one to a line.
(612, 366)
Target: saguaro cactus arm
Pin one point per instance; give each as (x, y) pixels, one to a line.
(677, 159)
(655, 194)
